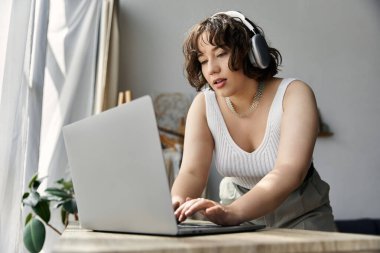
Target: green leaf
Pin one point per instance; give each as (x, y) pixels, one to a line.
(58, 192)
(42, 209)
(26, 194)
(71, 206)
(34, 235)
(32, 199)
(64, 216)
(33, 180)
(67, 185)
(36, 184)
(60, 181)
(28, 218)
(59, 204)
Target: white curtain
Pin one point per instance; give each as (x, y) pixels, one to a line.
(50, 72)
(69, 85)
(69, 77)
(20, 111)
(5, 6)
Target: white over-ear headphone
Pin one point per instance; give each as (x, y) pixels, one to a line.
(259, 53)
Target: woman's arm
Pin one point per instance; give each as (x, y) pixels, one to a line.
(197, 155)
(299, 129)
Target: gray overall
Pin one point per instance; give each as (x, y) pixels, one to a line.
(308, 207)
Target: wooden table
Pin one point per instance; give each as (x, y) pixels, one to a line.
(75, 239)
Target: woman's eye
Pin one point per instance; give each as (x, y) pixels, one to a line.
(221, 54)
(203, 62)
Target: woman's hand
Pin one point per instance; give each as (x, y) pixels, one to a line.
(213, 211)
(177, 202)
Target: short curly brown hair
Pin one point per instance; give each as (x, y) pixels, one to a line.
(226, 32)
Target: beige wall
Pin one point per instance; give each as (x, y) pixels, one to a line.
(332, 45)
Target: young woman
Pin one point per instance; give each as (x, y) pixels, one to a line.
(261, 130)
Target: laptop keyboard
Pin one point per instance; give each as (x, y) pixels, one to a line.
(197, 225)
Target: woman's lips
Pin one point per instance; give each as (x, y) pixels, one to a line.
(219, 83)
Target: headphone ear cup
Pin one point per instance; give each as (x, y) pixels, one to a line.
(259, 54)
(252, 57)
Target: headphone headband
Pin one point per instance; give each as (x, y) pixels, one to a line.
(238, 16)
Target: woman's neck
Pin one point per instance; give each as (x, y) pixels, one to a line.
(243, 99)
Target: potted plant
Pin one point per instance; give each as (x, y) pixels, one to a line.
(61, 196)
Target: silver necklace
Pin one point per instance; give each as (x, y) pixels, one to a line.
(252, 107)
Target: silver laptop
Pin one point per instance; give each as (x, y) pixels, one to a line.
(119, 174)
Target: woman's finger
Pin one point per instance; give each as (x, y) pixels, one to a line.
(181, 212)
(199, 205)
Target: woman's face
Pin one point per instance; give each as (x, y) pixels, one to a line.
(214, 62)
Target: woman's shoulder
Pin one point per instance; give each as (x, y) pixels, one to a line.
(292, 83)
(202, 97)
(298, 87)
(300, 84)
(199, 103)
(299, 92)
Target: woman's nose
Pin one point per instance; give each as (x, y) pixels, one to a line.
(213, 67)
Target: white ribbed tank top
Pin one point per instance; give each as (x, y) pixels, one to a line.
(245, 169)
